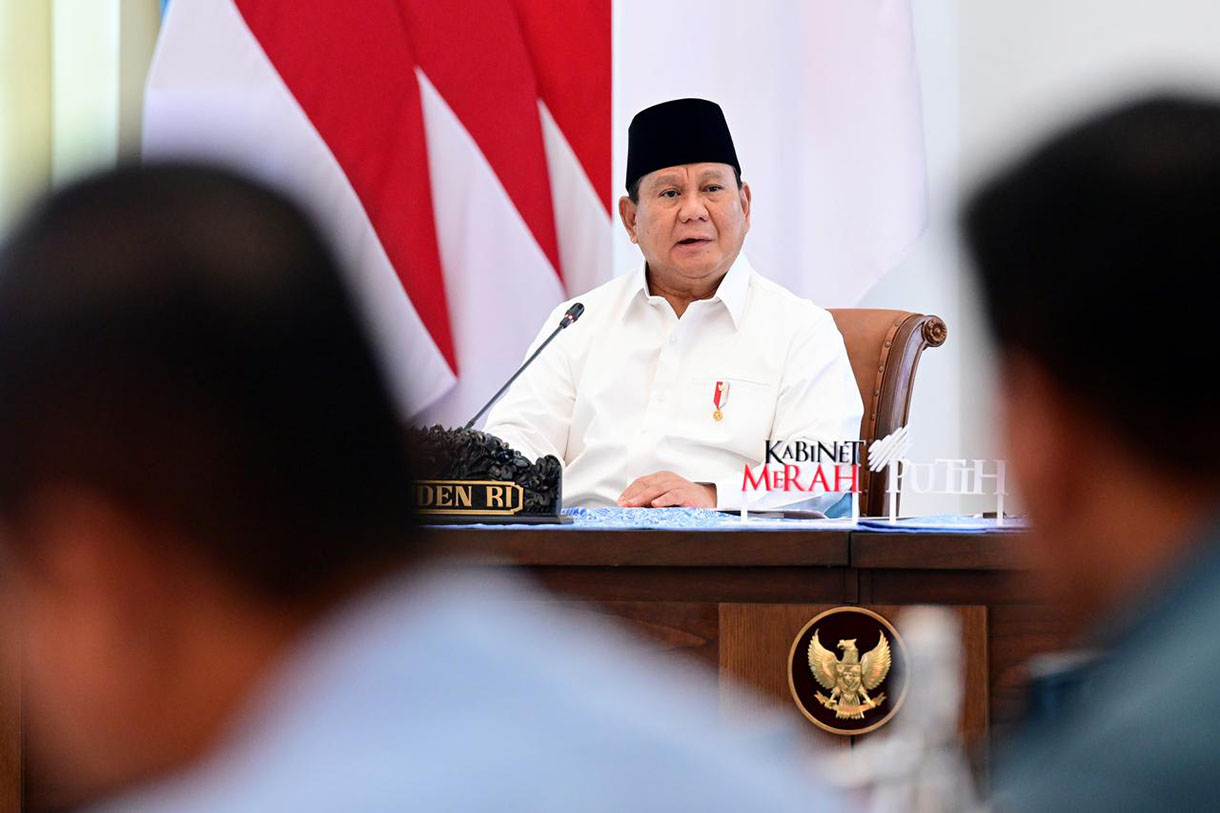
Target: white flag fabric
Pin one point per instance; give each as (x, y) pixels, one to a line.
(466, 159)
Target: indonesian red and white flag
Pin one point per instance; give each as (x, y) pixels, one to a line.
(466, 157)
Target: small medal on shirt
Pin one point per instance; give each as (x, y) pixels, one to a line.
(720, 398)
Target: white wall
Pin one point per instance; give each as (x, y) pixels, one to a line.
(995, 76)
(1028, 67)
(25, 104)
(71, 89)
(928, 280)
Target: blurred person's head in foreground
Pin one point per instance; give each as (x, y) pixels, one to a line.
(198, 456)
(201, 475)
(1094, 253)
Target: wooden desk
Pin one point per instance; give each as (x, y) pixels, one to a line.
(736, 600)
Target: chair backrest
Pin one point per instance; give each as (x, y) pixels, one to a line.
(884, 348)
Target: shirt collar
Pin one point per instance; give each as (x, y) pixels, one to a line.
(731, 291)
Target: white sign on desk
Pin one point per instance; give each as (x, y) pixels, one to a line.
(951, 476)
(804, 469)
(814, 468)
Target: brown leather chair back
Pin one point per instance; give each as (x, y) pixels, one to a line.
(884, 348)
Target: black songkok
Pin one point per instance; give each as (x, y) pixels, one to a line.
(684, 131)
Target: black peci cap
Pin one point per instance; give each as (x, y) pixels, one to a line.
(683, 131)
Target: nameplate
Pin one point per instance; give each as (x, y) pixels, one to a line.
(475, 498)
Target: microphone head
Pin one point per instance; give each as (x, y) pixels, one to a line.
(572, 314)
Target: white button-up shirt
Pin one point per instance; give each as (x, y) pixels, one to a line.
(630, 388)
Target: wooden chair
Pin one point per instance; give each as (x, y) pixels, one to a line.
(884, 348)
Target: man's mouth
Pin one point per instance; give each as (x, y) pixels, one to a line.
(691, 241)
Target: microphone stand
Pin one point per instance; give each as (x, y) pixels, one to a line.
(573, 313)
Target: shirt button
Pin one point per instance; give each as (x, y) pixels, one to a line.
(673, 339)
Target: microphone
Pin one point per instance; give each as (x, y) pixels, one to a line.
(573, 313)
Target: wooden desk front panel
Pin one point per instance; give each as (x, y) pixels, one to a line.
(679, 588)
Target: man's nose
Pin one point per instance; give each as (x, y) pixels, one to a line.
(692, 207)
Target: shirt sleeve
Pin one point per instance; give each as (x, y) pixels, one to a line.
(818, 400)
(534, 416)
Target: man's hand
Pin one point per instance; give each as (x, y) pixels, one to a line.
(665, 489)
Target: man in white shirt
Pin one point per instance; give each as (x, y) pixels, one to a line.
(681, 370)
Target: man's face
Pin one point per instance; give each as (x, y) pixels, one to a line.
(690, 221)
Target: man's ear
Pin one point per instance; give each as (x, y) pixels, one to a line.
(1043, 438)
(626, 212)
(745, 201)
(84, 549)
(97, 617)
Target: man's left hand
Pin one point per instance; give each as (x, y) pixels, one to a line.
(665, 489)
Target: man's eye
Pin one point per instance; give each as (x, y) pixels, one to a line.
(670, 193)
(714, 188)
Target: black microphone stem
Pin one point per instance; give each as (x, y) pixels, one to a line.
(571, 316)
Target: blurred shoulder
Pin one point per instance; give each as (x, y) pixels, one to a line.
(1140, 740)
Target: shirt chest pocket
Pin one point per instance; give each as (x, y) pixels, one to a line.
(728, 413)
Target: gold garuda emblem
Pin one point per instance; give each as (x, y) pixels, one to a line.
(847, 689)
(851, 677)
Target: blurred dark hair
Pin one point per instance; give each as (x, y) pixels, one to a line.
(179, 340)
(1094, 255)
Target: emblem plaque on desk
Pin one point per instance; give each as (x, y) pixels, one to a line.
(847, 671)
(468, 476)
